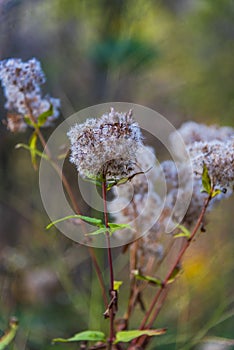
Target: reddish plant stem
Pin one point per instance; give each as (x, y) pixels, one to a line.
(158, 309)
(73, 201)
(110, 262)
(164, 286)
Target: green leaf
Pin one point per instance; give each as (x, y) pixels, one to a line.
(185, 232)
(38, 153)
(206, 181)
(96, 222)
(116, 227)
(123, 180)
(117, 285)
(97, 232)
(127, 336)
(29, 121)
(174, 274)
(215, 193)
(181, 234)
(7, 338)
(110, 184)
(117, 182)
(33, 147)
(111, 229)
(152, 280)
(83, 336)
(44, 116)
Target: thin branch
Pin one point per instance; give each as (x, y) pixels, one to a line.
(164, 287)
(112, 305)
(73, 201)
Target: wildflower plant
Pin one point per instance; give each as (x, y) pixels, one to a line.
(21, 82)
(108, 152)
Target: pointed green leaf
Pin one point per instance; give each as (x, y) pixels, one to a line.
(127, 336)
(123, 180)
(28, 148)
(95, 222)
(110, 184)
(117, 285)
(181, 234)
(174, 274)
(206, 181)
(97, 232)
(152, 280)
(114, 182)
(7, 338)
(215, 193)
(83, 336)
(111, 229)
(185, 232)
(116, 227)
(44, 116)
(29, 121)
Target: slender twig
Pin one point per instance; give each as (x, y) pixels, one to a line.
(112, 306)
(164, 286)
(72, 198)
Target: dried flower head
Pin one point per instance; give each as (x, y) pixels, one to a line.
(194, 132)
(106, 146)
(21, 82)
(217, 151)
(177, 192)
(213, 146)
(219, 159)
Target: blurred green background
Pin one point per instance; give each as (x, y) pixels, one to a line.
(175, 56)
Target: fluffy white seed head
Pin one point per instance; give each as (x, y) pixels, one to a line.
(194, 132)
(21, 82)
(106, 146)
(219, 159)
(212, 145)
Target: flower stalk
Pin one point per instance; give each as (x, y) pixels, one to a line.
(112, 307)
(160, 296)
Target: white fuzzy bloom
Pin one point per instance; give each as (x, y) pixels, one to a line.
(194, 132)
(219, 159)
(21, 82)
(106, 146)
(212, 145)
